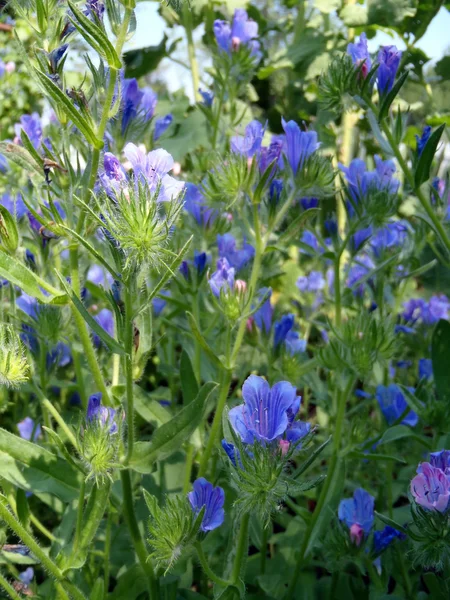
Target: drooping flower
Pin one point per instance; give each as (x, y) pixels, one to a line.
(384, 538)
(359, 53)
(263, 316)
(299, 144)
(237, 258)
(423, 139)
(268, 414)
(210, 497)
(393, 404)
(103, 415)
(161, 125)
(29, 430)
(243, 32)
(250, 143)
(358, 514)
(222, 278)
(389, 61)
(431, 488)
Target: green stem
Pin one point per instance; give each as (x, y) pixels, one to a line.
(197, 347)
(263, 556)
(79, 522)
(187, 474)
(128, 343)
(48, 534)
(374, 577)
(242, 548)
(107, 550)
(136, 537)
(55, 414)
(341, 403)
(206, 568)
(9, 588)
(79, 378)
(29, 541)
(188, 26)
(337, 290)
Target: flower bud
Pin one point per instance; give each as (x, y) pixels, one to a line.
(14, 367)
(9, 235)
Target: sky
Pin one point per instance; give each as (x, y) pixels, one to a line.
(150, 29)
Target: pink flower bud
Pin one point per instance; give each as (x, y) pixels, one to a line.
(284, 445)
(240, 286)
(10, 66)
(356, 534)
(176, 169)
(249, 324)
(235, 43)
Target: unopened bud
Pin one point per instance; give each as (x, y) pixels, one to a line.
(284, 445)
(240, 286)
(176, 169)
(356, 534)
(235, 43)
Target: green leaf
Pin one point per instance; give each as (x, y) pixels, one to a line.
(203, 343)
(311, 458)
(390, 13)
(354, 15)
(442, 68)
(148, 407)
(98, 591)
(23, 511)
(110, 342)
(440, 353)
(144, 60)
(65, 104)
(17, 274)
(95, 37)
(189, 385)
(35, 469)
(390, 97)
(294, 228)
(375, 456)
(22, 158)
(169, 437)
(130, 585)
(9, 234)
(412, 400)
(327, 6)
(391, 522)
(398, 432)
(297, 489)
(425, 161)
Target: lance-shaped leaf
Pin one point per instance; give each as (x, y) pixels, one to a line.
(22, 158)
(425, 161)
(169, 437)
(440, 352)
(390, 97)
(188, 380)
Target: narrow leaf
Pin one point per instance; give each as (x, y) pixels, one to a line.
(390, 97)
(203, 343)
(440, 352)
(22, 158)
(189, 385)
(425, 161)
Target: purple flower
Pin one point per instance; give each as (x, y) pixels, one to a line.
(294, 344)
(105, 319)
(55, 56)
(243, 31)
(360, 237)
(59, 355)
(195, 204)
(362, 267)
(423, 139)
(161, 125)
(431, 488)
(389, 61)
(31, 124)
(236, 258)
(103, 415)
(314, 282)
(29, 305)
(29, 430)
(358, 514)
(233, 453)
(359, 53)
(208, 97)
(267, 415)
(149, 101)
(95, 9)
(114, 178)
(210, 497)
(441, 460)
(384, 538)
(4, 167)
(250, 143)
(300, 144)
(425, 368)
(26, 577)
(308, 203)
(282, 328)
(309, 239)
(14, 205)
(131, 100)
(393, 235)
(263, 316)
(152, 169)
(427, 312)
(275, 189)
(200, 262)
(97, 274)
(393, 404)
(222, 278)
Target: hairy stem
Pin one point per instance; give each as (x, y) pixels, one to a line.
(242, 549)
(206, 568)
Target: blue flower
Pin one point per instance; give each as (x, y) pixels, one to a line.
(263, 316)
(98, 275)
(309, 239)
(59, 355)
(423, 139)
(161, 125)
(393, 235)
(159, 304)
(418, 309)
(273, 152)
(431, 488)
(131, 99)
(95, 8)
(233, 453)
(441, 460)
(425, 368)
(208, 97)
(236, 258)
(105, 319)
(26, 577)
(103, 415)
(275, 189)
(359, 53)
(243, 31)
(361, 236)
(308, 203)
(389, 61)
(29, 430)
(200, 262)
(194, 203)
(314, 282)
(282, 328)
(210, 497)
(268, 415)
(294, 344)
(222, 278)
(300, 144)
(383, 539)
(55, 56)
(358, 514)
(4, 166)
(362, 267)
(250, 143)
(32, 126)
(14, 205)
(393, 404)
